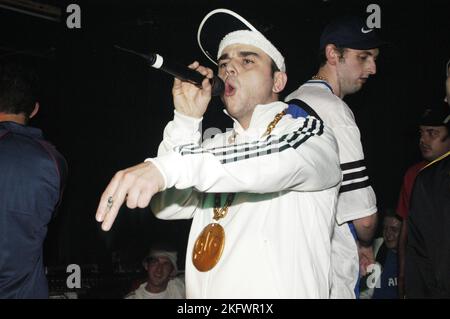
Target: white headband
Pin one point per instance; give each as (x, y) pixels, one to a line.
(255, 39)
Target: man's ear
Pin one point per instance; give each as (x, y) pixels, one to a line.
(35, 110)
(279, 81)
(173, 274)
(332, 54)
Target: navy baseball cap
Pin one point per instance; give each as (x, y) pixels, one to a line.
(350, 32)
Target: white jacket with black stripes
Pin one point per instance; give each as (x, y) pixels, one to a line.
(356, 196)
(279, 226)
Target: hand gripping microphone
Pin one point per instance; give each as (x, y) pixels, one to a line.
(179, 71)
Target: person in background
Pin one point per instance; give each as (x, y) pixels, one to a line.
(348, 54)
(32, 177)
(434, 142)
(162, 281)
(381, 281)
(427, 261)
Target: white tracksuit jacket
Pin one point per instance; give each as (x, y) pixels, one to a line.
(277, 231)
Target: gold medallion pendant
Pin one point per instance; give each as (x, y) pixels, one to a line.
(208, 247)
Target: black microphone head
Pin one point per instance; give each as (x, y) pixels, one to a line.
(150, 58)
(218, 87)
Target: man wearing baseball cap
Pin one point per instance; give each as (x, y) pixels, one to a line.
(348, 53)
(262, 195)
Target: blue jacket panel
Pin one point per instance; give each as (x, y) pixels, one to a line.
(32, 174)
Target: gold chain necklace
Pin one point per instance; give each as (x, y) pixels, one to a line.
(269, 129)
(210, 243)
(318, 77)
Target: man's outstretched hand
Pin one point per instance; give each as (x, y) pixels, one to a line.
(136, 185)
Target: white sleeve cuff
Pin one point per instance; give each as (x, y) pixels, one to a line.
(188, 123)
(152, 160)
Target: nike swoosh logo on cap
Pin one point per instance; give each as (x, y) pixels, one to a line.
(366, 31)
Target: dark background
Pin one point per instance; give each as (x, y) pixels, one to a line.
(105, 110)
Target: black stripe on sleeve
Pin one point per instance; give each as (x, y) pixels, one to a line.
(354, 186)
(354, 175)
(352, 165)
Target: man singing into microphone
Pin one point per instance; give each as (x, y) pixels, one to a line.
(262, 196)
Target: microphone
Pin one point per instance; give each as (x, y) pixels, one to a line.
(179, 71)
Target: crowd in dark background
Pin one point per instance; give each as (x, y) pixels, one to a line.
(105, 110)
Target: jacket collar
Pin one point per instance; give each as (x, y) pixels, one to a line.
(20, 129)
(262, 115)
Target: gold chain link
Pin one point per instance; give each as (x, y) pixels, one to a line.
(222, 212)
(274, 123)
